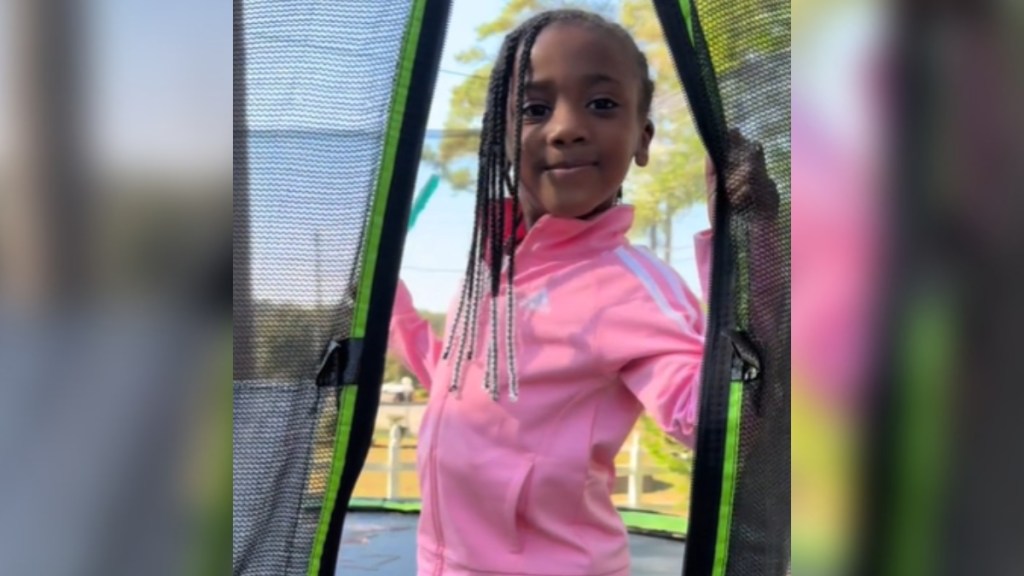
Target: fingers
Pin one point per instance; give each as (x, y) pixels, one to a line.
(747, 182)
(736, 137)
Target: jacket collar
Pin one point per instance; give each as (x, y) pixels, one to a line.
(570, 238)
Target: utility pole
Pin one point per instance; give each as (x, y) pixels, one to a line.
(243, 311)
(319, 281)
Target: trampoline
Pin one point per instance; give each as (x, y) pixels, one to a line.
(385, 543)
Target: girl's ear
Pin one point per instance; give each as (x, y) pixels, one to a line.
(643, 145)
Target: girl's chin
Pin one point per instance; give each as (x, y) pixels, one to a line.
(575, 213)
(593, 211)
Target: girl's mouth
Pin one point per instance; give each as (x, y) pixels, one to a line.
(570, 168)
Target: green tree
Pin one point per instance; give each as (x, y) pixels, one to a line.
(755, 28)
(663, 449)
(674, 179)
(393, 368)
(751, 56)
(288, 343)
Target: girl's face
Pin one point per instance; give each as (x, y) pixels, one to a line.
(582, 125)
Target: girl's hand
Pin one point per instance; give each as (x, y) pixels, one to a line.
(747, 183)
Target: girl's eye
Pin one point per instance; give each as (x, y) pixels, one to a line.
(603, 104)
(535, 111)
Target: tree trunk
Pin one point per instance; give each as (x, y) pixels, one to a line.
(653, 230)
(668, 237)
(45, 221)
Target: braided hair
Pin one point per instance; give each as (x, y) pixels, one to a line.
(491, 252)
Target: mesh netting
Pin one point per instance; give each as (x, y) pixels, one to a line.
(282, 457)
(316, 84)
(749, 43)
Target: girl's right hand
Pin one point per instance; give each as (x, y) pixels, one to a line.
(747, 183)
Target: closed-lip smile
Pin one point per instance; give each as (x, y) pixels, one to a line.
(571, 165)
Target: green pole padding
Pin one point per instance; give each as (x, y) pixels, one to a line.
(423, 198)
(729, 476)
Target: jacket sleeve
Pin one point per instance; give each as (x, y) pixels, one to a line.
(655, 341)
(411, 338)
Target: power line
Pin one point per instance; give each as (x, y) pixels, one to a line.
(433, 270)
(463, 74)
(452, 133)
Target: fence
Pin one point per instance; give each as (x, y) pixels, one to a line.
(634, 472)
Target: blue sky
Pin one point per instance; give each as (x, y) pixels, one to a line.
(436, 249)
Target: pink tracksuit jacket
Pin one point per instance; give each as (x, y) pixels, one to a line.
(604, 331)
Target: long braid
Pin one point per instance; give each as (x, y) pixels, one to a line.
(523, 77)
(490, 247)
(485, 230)
(496, 165)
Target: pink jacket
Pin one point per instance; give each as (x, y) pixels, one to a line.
(604, 330)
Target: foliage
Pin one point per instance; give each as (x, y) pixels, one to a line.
(756, 28)
(288, 343)
(666, 452)
(393, 368)
(674, 179)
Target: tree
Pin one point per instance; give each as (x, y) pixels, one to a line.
(674, 179)
(287, 343)
(666, 451)
(394, 370)
(762, 29)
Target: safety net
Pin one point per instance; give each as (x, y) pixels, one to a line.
(331, 100)
(733, 59)
(331, 104)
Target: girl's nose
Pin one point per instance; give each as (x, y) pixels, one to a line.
(566, 126)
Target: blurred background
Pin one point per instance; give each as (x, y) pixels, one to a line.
(115, 153)
(115, 323)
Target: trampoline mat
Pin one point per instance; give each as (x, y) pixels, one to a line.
(385, 543)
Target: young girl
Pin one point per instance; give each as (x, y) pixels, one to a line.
(563, 333)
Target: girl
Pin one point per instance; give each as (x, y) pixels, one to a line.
(564, 333)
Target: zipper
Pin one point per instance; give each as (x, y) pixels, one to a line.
(439, 566)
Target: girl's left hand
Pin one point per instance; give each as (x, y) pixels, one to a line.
(747, 183)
